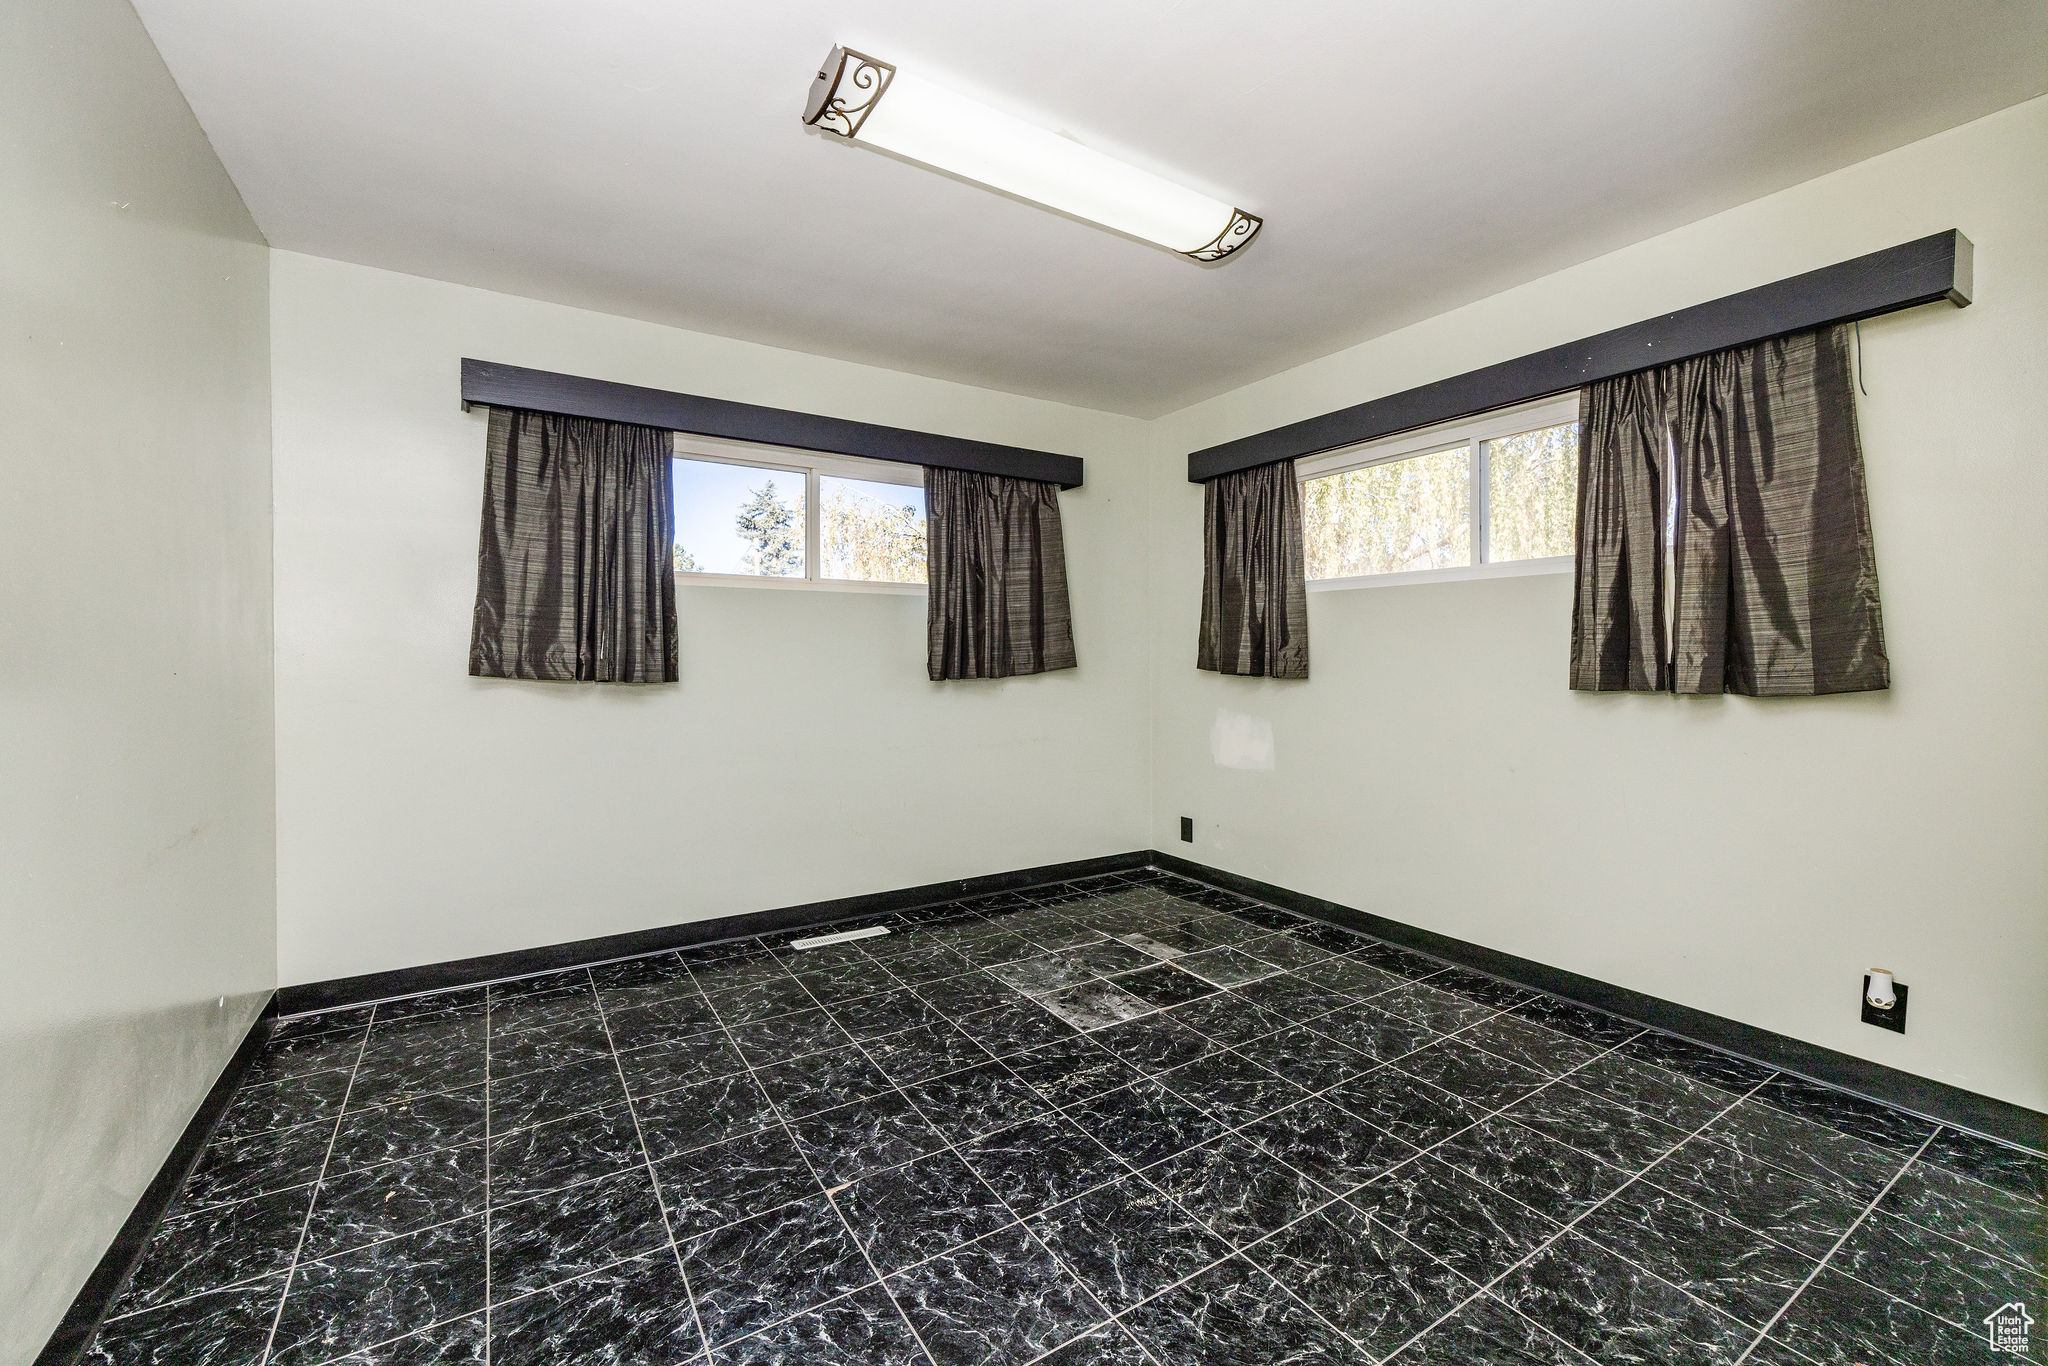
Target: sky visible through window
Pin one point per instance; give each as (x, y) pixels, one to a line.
(743, 519)
(710, 500)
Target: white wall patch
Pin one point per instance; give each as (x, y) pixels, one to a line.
(1241, 741)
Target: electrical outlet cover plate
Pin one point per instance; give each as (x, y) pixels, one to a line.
(1187, 829)
(1893, 1019)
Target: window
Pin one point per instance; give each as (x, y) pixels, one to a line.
(767, 514)
(1458, 499)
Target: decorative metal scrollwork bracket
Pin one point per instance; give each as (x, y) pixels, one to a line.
(1242, 228)
(849, 86)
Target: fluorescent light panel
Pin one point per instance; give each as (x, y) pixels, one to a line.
(861, 97)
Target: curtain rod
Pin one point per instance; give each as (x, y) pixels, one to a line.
(513, 386)
(1920, 272)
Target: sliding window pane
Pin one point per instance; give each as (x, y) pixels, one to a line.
(1405, 514)
(869, 531)
(738, 519)
(1532, 486)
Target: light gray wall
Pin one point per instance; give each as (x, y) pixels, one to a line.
(136, 838)
(1746, 857)
(424, 815)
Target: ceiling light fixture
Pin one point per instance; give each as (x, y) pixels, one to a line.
(858, 96)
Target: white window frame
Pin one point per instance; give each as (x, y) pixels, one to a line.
(1472, 433)
(812, 466)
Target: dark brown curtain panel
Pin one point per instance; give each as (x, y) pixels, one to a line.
(1724, 532)
(996, 576)
(1254, 575)
(574, 576)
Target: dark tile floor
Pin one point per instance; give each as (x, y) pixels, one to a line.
(1127, 1121)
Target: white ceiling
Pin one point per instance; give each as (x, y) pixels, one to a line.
(646, 158)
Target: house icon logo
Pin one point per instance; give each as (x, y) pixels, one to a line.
(2006, 1327)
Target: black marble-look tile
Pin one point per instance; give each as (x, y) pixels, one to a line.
(454, 1001)
(1812, 1150)
(562, 1152)
(268, 1162)
(1532, 1045)
(788, 1036)
(1471, 1227)
(1485, 1330)
(847, 1143)
(420, 1056)
(1109, 958)
(368, 1203)
(1095, 1004)
(1866, 1121)
(327, 1021)
(1227, 967)
(637, 1026)
(1378, 1034)
(637, 1313)
(929, 1051)
(1002, 1299)
(1594, 1124)
(887, 1012)
(974, 1101)
(1575, 1021)
(408, 1128)
(1145, 1122)
(563, 1234)
(1041, 1162)
(820, 1081)
(1154, 1044)
(216, 1328)
(1481, 1079)
(1786, 1208)
(1708, 1256)
(548, 1046)
(1335, 1149)
(967, 994)
(1361, 1276)
(1236, 1188)
(1709, 1065)
(1841, 1322)
(1106, 1344)
(1651, 1090)
(737, 1179)
(1617, 1312)
(1264, 916)
(736, 972)
(1310, 1060)
(1075, 1068)
(1393, 958)
(1540, 1172)
(1232, 1087)
(1294, 997)
(1041, 973)
(692, 1117)
(1442, 1011)
(1976, 1215)
(1408, 1108)
(651, 975)
(1227, 1018)
(917, 963)
(355, 1299)
(762, 1000)
(458, 1342)
(2013, 1170)
(848, 982)
(290, 1056)
(1018, 1024)
(861, 1329)
(749, 1275)
(1488, 991)
(205, 1249)
(1164, 986)
(567, 1008)
(1127, 1240)
(1235, 1315)
(1349, 976)
(1952, 1282)
(1167, 942)
(679, 1062)
(556, 1093)
(924, 1207)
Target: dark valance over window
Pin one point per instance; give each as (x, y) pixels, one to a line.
(574, 580)
(1723, 535)
(997, 577)
(1254, 575)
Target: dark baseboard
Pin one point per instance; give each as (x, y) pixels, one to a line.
(97, 1295)
(496, 967)
(1991, 1118)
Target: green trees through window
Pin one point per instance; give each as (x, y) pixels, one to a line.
(733, 518)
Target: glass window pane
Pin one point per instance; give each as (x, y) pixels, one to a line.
(870, 531)
(1405, 514)
(1532, 486)
(738, 519)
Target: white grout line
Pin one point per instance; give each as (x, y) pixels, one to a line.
(1818, 1266)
